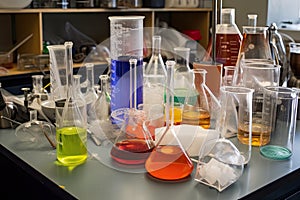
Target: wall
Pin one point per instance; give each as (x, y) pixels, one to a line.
(245, 7)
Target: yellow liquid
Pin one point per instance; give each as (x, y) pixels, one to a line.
(260, 134)
(177, 115)
(71, 146)
(198, 118)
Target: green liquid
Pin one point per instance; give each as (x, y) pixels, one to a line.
(71, 146)
(181, 93)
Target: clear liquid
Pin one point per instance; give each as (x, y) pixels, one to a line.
(71, 146)
(168, 162)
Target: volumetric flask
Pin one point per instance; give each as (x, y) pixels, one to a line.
(169, 160)
(196, 109)
(126, 42)
(154, 75)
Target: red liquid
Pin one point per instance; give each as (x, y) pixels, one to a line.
(168, 162)
(131, 151)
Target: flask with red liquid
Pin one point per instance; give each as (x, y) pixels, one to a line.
(228, 39)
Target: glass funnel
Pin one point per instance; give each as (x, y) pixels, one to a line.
(196, 109)
(37, 133)
(169, 160)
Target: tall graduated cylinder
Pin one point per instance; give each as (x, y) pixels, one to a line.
(126, 42)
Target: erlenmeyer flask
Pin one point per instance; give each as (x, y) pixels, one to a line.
(169, 160)
(154, 75)
(134, 144)
(255, 47)
(183, 75)
(196, 109)
(71, 121)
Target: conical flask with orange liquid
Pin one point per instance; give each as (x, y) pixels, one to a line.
(169, 160)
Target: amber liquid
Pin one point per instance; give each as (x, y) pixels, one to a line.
(132, 151)
(168, 162)
(295, 63)
(260, 134)
(255, 46)
(196, 117)
(177, 116)
(227, 46)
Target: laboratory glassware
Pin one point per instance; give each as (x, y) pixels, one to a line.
(126, 42)
(71, 120)
(169, 160)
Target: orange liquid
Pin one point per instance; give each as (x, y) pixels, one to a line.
(131, 151)
(168, 162)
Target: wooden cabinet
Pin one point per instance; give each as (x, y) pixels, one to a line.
(49, 24)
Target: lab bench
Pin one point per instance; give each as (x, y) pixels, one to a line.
(32, 173)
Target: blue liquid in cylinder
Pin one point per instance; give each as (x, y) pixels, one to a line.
(120, 83)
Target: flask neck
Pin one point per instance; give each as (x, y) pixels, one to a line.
(156, 45)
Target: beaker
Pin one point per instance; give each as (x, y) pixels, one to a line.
(126, 42)
(279, 116)
(154, 75)
(58, 73)
(196, 109)
(71, 120)
(169, 160)
(235, 118)
(257, 76)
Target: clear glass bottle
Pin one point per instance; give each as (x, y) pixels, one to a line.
(90, 94)
(71, 121)
(169, 160)
(154, 75)
(102, 105)
(228, 39)
(183, 75)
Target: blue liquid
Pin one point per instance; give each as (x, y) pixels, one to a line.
(120, 83)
